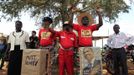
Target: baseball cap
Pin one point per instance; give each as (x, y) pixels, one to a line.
(47, 19)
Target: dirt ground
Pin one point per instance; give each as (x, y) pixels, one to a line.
(130, 67)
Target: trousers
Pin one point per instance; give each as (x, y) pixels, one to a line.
(65, 60)
(120, 60)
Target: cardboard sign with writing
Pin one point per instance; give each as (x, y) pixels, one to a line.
(90, 61)
(35, 62)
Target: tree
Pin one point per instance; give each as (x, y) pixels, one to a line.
(61, 10)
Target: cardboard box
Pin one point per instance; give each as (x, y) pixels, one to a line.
(35, 62)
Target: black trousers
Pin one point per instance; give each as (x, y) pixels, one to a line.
(120, 61)
(15, 60)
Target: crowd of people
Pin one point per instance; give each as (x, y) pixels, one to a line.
(68, 41)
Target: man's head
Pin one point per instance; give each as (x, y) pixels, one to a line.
(18, 26)
(88, 54)
(47, 21)
(67, 27)
(85, 21)
(116, 28)
(33, 33)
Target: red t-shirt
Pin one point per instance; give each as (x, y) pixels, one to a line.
(85, 34)
(67, 39)
(45, 37)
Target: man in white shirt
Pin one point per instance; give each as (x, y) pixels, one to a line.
(117, 42)
(18, 40)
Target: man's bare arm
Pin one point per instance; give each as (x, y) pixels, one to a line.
(100, 19)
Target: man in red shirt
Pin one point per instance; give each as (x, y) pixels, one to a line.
(45, 35)
(67, 41)
(85, 30)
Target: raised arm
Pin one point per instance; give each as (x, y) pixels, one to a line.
(100, 19)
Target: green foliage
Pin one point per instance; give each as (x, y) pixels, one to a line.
(62, 10)
(111, 8)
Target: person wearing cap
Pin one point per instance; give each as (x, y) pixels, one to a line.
(45, 36)
(85, 28)
(17, 41)
(67, 42)
(46, 39)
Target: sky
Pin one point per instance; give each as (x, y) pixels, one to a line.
(125, 20)
(6, 27)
